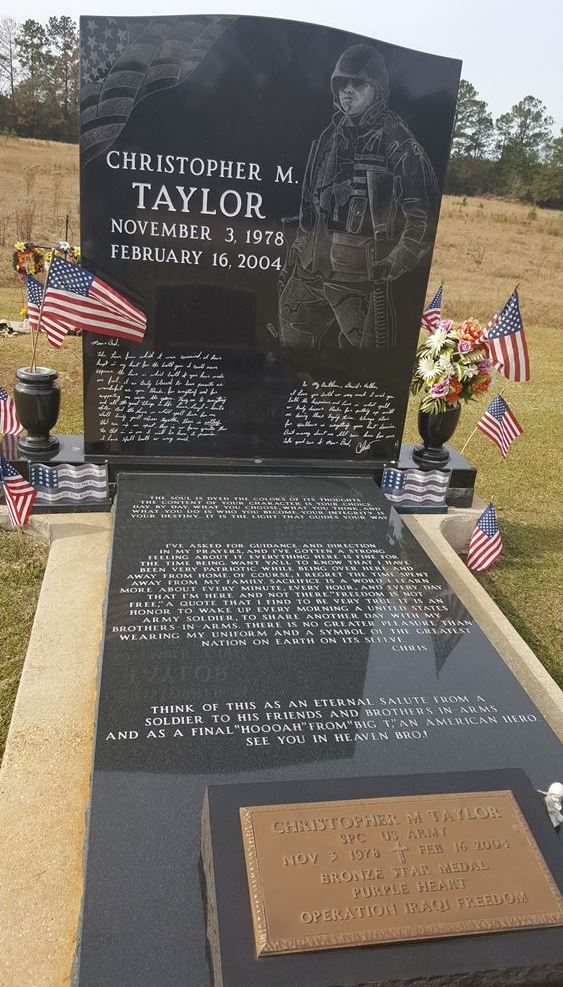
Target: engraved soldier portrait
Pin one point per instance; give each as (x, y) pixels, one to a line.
(367, 217)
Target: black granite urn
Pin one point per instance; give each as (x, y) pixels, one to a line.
(37, 398)
(435, 429)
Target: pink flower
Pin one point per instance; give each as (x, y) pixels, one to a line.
(484, 366)
(446, 325)
(441, 388)
(465, 346)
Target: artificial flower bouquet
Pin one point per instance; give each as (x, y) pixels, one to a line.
(28, 258)
(452, 365)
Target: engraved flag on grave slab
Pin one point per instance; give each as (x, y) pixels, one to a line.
(124, 61)
(415, 486)
(431, 314)
(500, 424)
(75, 298)
(60, 483)
(485, 545)
(18, 493)
(9, 422)
(507, 341)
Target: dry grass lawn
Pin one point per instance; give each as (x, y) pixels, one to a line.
(483, 248)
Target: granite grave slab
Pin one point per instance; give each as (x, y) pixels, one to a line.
(276, 629)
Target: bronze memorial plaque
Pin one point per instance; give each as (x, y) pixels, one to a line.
(356, 872)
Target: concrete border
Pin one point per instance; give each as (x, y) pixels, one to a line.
(45, 775)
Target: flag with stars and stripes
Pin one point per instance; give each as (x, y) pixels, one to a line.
(9, 423)
(507, 342)
(500, 424)
(54, 484)
(34, 295)
(431, 314)
(18, 493)
(485, 545)
(124, 60)
(9, 447)
(75, 298)
(415, 486)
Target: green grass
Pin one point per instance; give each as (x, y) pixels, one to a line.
(527, 581)
(22, 572)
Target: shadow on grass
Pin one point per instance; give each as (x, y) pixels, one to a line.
(517, 578)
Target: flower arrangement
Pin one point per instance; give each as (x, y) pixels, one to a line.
(65, 250)
(28, 258)
(452, 365)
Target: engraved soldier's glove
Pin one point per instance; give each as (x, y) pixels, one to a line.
(382, 270)
(404, 257)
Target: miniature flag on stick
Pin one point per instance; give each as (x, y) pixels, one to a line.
(34, 297)
(431, 314)
(415, 486)
(499, 424)
(9, 423)
(54, 327)
(76, 298)
(507, 342)
(19, 494)
(485, 545)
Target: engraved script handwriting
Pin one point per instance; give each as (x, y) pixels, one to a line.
(151, 396)
(351, 415)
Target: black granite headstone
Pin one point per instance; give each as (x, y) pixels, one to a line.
(268, 191)
(266, 629)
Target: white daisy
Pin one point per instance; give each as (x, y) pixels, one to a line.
(437, 340)
(427, 368)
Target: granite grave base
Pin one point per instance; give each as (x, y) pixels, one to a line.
(523, 956)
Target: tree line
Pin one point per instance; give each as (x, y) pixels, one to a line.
(39, 86)
(516, 155)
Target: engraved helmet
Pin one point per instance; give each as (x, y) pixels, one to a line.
(362, 62)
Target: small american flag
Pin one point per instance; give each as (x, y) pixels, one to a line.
(19, 494)
(431, 314)
(500, 424)
(485, 545)
(75, 298)
(69, 483)
(415, 486)
(507, 342)
(9, 423)
(34, 296)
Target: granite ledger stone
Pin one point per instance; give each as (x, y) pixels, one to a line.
(283, 629)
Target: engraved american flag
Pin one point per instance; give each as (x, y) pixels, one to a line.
(123, 60)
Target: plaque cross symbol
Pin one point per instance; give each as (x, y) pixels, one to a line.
(397, 848)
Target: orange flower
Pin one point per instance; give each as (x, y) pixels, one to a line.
(481, 383)
(455, 389)
(471, 329)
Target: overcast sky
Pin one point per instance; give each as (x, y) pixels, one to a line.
(509, 48)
